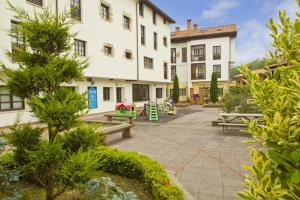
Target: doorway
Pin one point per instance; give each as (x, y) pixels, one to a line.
(119, 95)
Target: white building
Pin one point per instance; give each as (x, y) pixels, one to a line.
(127, 43)
(197, 52)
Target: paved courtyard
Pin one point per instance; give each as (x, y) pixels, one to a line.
(206, 162)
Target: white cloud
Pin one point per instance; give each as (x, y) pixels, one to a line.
(253, 39)
(219, 9)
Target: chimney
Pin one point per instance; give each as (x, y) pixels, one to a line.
(195, 26)
(189, 25)
(177, 29)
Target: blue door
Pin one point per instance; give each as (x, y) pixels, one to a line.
(92, 97)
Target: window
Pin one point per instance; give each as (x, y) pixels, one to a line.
(198, 53)
(37, 2)
(105, 12)
(173, 72)
(198, 71)
(80, 47)
(106, 93)
(154, 17)
(182, 92)
(155, 40)
(126, 22)
(143, 36)
(217, 70)
(17, 40)
(140, 92)
(184, 55)
(108, 50)
(171, 92)
(148, 63)
(76, 9)
(165, 41)
(158, 93)
(217, 52)
(165, 71)
(141, 9)
(173, 55)
(10, 102)
(128, 54)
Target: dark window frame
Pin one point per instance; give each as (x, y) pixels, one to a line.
(17, 41)
(217, 52)
(154, 18)
(198, 53)
(76, 14)
(128, 55)
(140, 92)
(182, 92)
(155, 43)
(184, 54)
(108, 50)
(143, 35)
(126, 22)
(11, 101)
(105, 12)
(173, 72)
(80, 47)
(106, 93)
(217, 69)
(165, 41)
(141, 9)
(159, 93)
(173, 55)
(148, 62)
(198, 71)
(165, 70)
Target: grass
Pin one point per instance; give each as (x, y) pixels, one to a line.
(31, 192)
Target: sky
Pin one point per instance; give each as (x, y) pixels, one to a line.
(251, 17)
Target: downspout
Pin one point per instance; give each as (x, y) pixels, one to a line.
(56, 7)
(137, 40)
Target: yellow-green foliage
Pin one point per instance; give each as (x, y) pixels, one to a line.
(134, 165)
(275, 173)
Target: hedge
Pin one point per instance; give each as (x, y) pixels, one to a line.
(134, 165)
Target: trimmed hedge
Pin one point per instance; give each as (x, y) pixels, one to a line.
(134, 165)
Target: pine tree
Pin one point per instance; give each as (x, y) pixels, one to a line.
(176, 89)
(214, 90)
(45, 63)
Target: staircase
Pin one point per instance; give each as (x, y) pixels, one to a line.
(153, 115)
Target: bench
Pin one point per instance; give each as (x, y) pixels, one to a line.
(109, 117)
(125, 128)
(231, 124)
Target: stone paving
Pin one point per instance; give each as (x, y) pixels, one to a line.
(206, 162)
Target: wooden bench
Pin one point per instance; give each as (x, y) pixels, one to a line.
(110, 117)
(225, 125)
(125, 128)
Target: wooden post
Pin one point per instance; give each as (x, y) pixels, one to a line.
(104, 140)
(192, 95)
(202, 95)
(126, 133)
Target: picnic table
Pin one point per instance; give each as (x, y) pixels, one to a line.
(236, 119)
(109, 117)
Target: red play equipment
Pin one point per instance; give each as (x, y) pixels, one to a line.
(125, 106)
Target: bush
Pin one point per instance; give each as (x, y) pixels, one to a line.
(83, 137)
(24, 138)
(8, 162)
(134, 165)
(228, 103)
(176, 89)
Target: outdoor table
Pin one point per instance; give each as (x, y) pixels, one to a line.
(229, 117)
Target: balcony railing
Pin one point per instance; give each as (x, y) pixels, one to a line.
(197, 58)
(37, 2)
(198, 76)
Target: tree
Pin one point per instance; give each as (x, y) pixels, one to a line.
(214, 90)
(176, 89)
(275, 172)
(45, 63)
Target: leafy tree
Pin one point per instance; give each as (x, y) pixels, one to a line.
(275, 172)
(45, 63)
(214, 90)
(176, 89)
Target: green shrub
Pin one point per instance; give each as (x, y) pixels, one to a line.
(134, 165)
(7, 161)
(228, 103)
(83, 137)
(176, 89)
(24, 138)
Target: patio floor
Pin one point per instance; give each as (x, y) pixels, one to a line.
(206, 162)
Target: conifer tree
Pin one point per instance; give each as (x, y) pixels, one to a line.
(214, 90)
(176, 89)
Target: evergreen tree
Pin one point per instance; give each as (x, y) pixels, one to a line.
(214, 90)
(176, 89)
(45, 63)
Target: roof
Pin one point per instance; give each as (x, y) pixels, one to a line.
(158, 10)
(208, 32)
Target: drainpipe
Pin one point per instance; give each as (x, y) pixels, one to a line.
(137, 39)
(56, 7)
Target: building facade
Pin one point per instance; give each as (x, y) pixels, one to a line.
(198, 52)
(127, 43)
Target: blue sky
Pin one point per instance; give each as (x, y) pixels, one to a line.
(250, 16)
